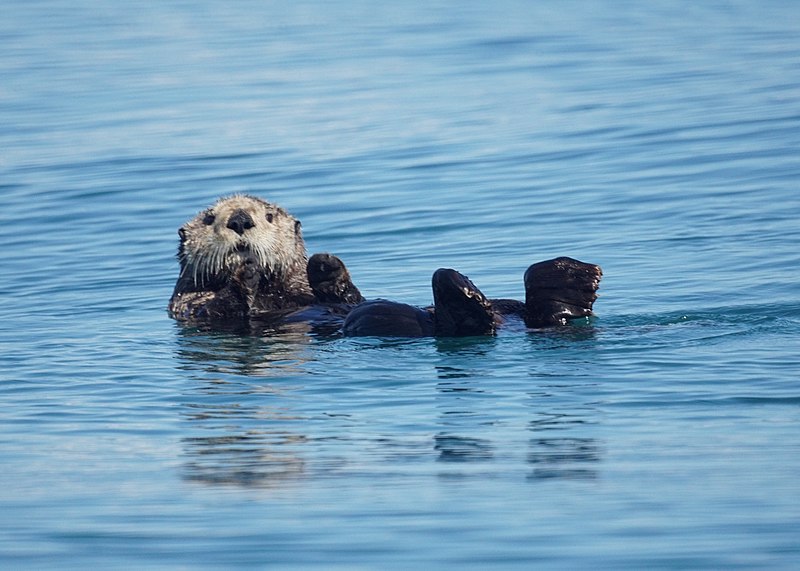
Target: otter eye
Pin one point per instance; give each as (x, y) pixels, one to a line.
(208, 219)
(269, 217)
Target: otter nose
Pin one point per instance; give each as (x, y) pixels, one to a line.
(240, 221)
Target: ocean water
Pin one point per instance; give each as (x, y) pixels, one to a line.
(660, 140)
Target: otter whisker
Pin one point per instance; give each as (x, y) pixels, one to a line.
(194, 275)
(213, 264)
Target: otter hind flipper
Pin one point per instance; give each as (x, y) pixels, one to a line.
(461, 308)
(559, 290)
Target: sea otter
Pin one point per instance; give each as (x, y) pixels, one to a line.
(244, 261)
(556, 291)
(244, 258)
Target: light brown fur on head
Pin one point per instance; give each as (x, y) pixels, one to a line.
(237, 230)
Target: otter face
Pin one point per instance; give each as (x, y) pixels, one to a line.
(237, 231)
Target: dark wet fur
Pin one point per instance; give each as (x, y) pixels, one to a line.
(556, 291)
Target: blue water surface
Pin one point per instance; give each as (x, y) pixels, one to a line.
(659, 140)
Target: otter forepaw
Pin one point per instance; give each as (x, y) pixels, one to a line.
(247, 276)
(330, 281)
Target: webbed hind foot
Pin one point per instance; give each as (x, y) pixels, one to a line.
(559, 290)
(461, 308)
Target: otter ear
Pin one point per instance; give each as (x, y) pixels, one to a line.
(297, 226)
(182, 234)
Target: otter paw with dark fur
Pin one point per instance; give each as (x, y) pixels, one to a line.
(330, 281)
(559, 290)
(247, 277)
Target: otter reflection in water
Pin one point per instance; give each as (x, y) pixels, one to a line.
(243, 260)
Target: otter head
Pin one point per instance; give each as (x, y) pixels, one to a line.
(237, 231)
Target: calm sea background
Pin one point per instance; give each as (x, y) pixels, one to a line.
(660, 140)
